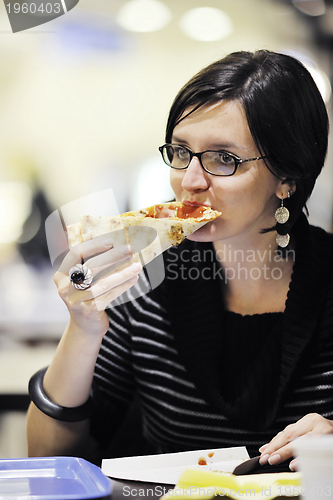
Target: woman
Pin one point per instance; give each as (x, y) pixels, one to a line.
(234, 347)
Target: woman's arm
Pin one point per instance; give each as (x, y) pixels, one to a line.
(68, 379)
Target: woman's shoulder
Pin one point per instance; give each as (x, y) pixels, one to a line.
(312, 239)
(317, 256)
(321, 239)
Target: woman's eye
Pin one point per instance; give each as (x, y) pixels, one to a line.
(226, 158)
(182, 153)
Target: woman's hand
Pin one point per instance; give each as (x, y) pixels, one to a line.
(280, 448)
(87, 307)
(67, 381)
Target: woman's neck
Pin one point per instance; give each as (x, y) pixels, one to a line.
(256, 276)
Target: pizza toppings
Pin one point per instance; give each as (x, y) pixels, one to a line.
(187, 211)
(176, 234)
(177, 211)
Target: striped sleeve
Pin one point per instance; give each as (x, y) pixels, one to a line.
(113, 377)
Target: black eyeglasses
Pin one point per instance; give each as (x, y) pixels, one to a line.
(213, 162)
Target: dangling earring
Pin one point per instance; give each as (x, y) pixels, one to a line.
(282, 216)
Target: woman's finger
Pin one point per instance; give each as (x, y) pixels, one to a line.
(104, 285)
(282, 454)
(112, 281)
(107, 298)
(84, 251)
(293, 466)
(108, 258)
(89, 307)
(279, 442)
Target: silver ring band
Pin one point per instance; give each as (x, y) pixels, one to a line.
(81, 276)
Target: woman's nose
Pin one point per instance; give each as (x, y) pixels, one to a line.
(195, 178)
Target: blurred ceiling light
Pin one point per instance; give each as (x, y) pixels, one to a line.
(206, 24)
(318, 74)
(311, 7)
(143, 15)
(15, 206)
(322, 82)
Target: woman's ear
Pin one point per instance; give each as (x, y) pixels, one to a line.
(286, 189)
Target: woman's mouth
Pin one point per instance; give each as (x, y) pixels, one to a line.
(193, 203)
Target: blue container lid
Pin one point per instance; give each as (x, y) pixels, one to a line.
(52, 478)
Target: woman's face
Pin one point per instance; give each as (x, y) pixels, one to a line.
(247, 199)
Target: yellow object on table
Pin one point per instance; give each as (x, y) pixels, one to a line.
(202, 485)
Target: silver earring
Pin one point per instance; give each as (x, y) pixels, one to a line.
(282, 215)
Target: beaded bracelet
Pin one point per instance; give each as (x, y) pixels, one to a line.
(63, 413)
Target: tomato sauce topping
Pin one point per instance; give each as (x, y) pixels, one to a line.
(183, 212)
(187, 211)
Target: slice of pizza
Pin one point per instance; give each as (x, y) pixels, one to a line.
(150, 231)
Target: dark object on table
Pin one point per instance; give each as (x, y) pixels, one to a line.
(252, 466)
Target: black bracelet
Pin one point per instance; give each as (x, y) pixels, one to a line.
(63, 413)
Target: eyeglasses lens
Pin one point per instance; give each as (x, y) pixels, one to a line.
(218, 163)
(176, 156)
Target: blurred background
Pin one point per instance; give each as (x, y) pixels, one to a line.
(83, 107)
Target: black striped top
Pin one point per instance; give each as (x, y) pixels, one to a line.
(210, 378)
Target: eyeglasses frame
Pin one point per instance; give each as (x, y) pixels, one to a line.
(238, 161)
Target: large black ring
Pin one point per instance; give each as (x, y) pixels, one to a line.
(51, 409)
(81, 276)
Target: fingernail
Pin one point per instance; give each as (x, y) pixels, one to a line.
(293, 465)
(136, 267)
(133, 280)
(263, 447)
(274, 459)
(108, 242)
(264, 459)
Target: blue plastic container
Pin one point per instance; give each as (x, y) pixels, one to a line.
(52, 478)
